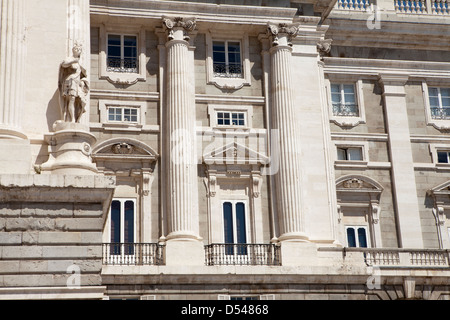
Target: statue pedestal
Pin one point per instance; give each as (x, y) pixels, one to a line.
(70, 150)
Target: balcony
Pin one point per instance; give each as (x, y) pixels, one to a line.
(440, 113)
(431, 7)
(122, 65)
(400, 258)
(133, 254)
(242, 255)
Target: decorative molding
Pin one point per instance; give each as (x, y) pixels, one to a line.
(289, 31)
(188, 24)
(234, 153)
(122, 78)
(347, 122)
(441, 125)
(229, 84)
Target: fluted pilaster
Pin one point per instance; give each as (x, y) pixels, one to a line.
(12, 58)
(288, 177)
(78, 32)
(182, 167)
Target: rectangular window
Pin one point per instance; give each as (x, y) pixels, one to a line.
(443, 156)
(122, 226)
(231, 118)
(123, 114)
(235, 229)
(356, 236)
(122, 53)
(227, 61)
(350, 154)
(439, 102)
(343, 99)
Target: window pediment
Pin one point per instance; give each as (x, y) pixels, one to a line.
(234, 153)
(124, 148)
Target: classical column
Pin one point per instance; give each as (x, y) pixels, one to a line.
(180, 104)
(288, 177)
(79, 33)
(400, 151)
(12, 56)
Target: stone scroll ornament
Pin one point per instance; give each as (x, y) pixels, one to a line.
(73, 86)
(178, 22)
(275, 30)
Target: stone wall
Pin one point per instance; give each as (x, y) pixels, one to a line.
(51, 233)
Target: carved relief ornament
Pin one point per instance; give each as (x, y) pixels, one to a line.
(188, 25)
(283, 29)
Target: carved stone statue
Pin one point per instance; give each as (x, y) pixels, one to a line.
(73, 86)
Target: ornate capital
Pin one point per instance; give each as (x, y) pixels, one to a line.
(181, 25)
(282, 34)
(324, 47)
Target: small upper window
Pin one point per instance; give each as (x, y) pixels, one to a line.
(343, 99)
(443, 156)
(439, 102)
(352, 154)
(231, 118)
(122, 54)
(121, 114)
(227, 60)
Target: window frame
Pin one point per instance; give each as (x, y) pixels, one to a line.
(363, 145)
(122, 218)
(347, 154)
(214, 109)
(346, 121)
(234, 202)
(228, 82)
(434, 151)
(356, 227)
(140, 125)
(124, 78)
(439, 96)
(122, 114)
(122, 51)
(442, 125)
(227, 74)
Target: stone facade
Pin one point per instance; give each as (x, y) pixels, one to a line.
(272, 150)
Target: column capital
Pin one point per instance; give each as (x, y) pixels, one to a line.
(282, 34)
(392, 78)
(393, 84)
(179, 27)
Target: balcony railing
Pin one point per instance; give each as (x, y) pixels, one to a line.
(356, 5)
(227, 71)
(122, 65)
(137, 254)
(242, 254)
(440, 113)
(431, 7)
(404, 257)
(345, 110)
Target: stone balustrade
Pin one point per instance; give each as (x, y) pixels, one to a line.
(431, 7)
(401, 258)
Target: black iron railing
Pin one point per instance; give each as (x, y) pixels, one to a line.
(242, 254)
(122, 65)
(133, 254)
(440, 113)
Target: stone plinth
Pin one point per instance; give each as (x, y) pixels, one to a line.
(184, 253)
(52, 249)
(70, 150)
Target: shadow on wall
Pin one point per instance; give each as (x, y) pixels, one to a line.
(53, 111)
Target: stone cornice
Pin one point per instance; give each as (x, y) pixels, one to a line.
(418, 32)
(203, 12)
(375, 67)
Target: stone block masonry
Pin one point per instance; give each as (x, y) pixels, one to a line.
(56, 244)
